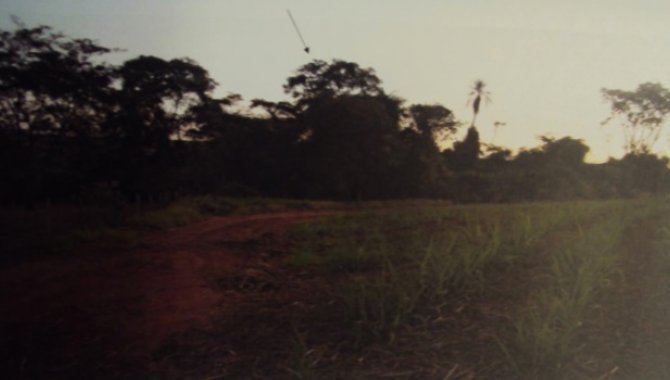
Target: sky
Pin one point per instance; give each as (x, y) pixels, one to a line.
(544, 62)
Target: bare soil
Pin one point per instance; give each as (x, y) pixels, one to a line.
(161, 311)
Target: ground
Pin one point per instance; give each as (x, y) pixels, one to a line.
(216, 300)
(124, 314)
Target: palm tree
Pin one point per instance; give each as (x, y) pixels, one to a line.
(476, 95)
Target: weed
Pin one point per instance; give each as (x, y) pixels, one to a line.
(398, 266)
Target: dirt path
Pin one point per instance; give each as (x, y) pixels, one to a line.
(108, 316)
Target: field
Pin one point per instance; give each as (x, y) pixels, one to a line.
(213, 288)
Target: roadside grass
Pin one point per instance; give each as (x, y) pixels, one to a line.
(540, 268)
(57, 229)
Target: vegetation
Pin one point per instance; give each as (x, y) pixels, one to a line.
(532, 279)
(641, 112)
(498, 291)
(75, 129)
(66, 229)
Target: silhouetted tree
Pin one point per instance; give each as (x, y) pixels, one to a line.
(419, 171)
(276, 110)
(211, 118)
(319, 79)
(554, 170)
(150, 128)
(53, 99)
(465, 153)
(477, 94)
(157, 96)
(349, 145)
(49, 84)
(640, 174)
(155, 102)
(564, 151)
(433, 120)
(642, 114)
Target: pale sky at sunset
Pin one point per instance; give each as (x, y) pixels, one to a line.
(544, 61)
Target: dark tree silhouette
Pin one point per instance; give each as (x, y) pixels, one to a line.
(641, 113)
(72, 128)
(465, 153)
(156, 101)
(49, 83)
(319, 79)
(276, 110)
(157, 96)
(53, 100)
(477, 94)
(433, 120)
(350, 143)
(564, 151)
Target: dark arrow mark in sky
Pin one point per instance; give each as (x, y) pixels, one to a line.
(306, 48)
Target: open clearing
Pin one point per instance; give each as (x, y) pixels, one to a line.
(563, 290)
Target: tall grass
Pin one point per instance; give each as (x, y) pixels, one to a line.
(398, 266)
(396, 261)
(549, 329)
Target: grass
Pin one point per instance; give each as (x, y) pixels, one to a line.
(49, 230)
(425, 289)
(542, 268)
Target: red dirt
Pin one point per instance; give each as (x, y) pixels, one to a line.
(105, 315)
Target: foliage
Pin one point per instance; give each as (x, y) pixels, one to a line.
(477, 94)
(445, 282)
(465, 153)
(322, 79)
(150, 130)
(433, 120)
(642, 114)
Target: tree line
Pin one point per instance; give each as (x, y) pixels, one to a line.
(75, 128)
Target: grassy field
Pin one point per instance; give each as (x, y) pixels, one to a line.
(527, 291)
(51, 230)
(431, 290)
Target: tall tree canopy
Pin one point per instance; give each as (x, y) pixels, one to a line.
(322, 79)
(157, 96)
(642, 114)
(73, 127)
(433, 120)
(350, 144)
(50, 83)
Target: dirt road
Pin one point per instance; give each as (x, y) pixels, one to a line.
(125, 315)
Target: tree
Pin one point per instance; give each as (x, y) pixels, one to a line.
(49, 84)
(155, 102)
(641, 174)
(420, 170)
(554, 170)
(642, 114)
(565, 151)
(157, 96)
(433, 120)
(477, 94)
(276, 110)
(211, 119)
(54, 98)
(319, 79)
(349, 145)
(465, 153)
